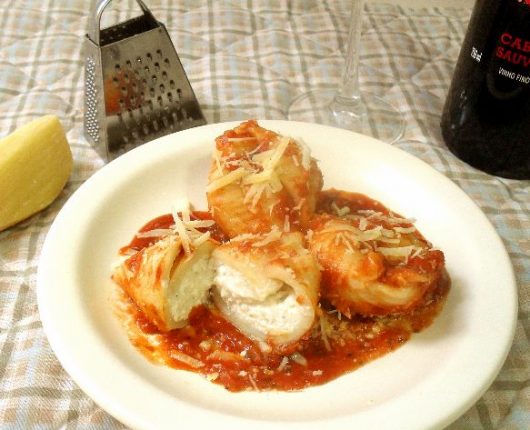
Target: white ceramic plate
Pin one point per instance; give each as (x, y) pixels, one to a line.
(427, 383)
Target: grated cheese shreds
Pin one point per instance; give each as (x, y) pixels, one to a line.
(277, 154)
(212, 376)
(401, 251)
(390, 240)
(390, 219)
(185, 214)
(157, 232)
(205, 345)
(221, 355)
(256, 149)
(274, 235)
(323, 333)
(372, 234)
(286, 224)
(256, 178)
(186, 359)
(262, 157)
(233, 176)
(257, 196)
(251, 192)
(268, 159)
(405, 230)
(275, 184)
(348, 235)
(184, 227)
(201, 239)
(199, 223)
(240, 139)
(298, 358)
(253, 382)
(283, 363)
(340, 211)
(182, 233)
(361, 236)
(242, 237)
(298, 207)
(256, 169)
(345, 240)
(254, 193)
(363, 224)
(388, 233)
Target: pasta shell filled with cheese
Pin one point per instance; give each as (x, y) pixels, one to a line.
(267, 285)
(373, 263)
(169, 278)
(260, 179)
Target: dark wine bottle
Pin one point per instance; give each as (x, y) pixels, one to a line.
(486, 118)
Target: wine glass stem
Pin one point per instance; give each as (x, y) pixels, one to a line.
(348, 94)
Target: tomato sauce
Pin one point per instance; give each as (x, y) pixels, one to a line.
(213, 347)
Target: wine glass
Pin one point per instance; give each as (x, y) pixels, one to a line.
(346, 107)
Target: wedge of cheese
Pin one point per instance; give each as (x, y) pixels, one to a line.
(35, 164)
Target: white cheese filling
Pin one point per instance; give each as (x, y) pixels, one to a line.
(257, 314)
(233, 282)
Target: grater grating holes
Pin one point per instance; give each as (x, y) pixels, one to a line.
(91, 120)
(141, 98)
(149, 99)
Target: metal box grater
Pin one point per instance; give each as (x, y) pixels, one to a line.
(136, 88)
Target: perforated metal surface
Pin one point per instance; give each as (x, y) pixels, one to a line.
(136, 87)
(91, 119)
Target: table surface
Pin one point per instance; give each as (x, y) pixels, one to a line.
(245, 59)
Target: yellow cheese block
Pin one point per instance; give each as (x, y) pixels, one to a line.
(35, 163)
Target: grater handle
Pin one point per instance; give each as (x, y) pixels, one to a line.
(97, 12)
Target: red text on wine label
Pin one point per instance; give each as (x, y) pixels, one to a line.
(514, 50)
(514, 42)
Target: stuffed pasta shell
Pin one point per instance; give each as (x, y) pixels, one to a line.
(373, 262)
(260, 179)
(267, 285)
(171, 276)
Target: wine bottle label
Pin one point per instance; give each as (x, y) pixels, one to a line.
(516, 51)
(485, 118)
(509, 68)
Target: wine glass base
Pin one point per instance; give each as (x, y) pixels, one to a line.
(373, 116)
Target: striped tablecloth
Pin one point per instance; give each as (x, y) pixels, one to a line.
(245, 59)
